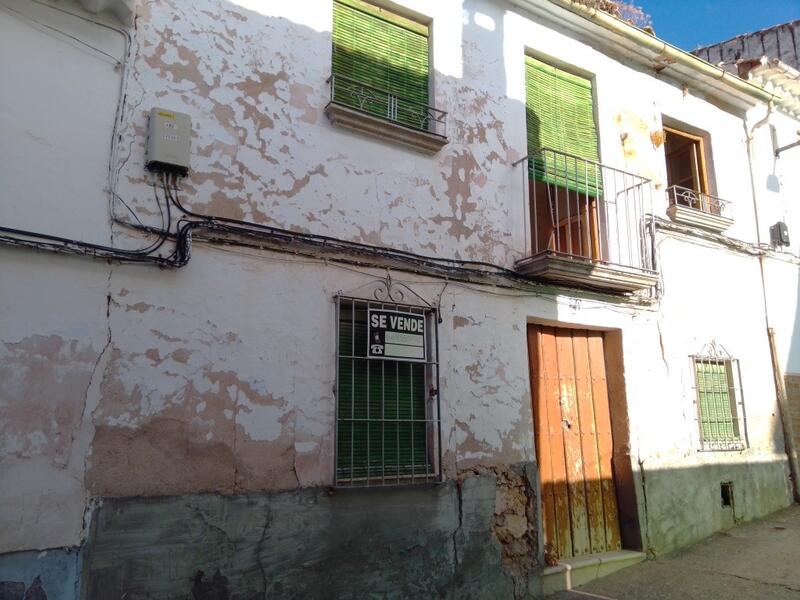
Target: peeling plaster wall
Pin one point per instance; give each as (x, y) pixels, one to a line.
(51, 360)
(255, 85)
(126, 382)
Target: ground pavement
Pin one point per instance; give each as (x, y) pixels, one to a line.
(754, 561)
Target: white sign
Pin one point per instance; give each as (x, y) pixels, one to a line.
(396, 335)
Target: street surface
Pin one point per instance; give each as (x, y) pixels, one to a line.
(754, 561)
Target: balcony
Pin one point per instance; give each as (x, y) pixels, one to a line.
(380, 114)
(698, 209)
(590, 225)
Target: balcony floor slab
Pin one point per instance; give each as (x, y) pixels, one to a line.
(582, 272)
(698, 218)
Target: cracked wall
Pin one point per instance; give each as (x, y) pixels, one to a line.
(248, 545)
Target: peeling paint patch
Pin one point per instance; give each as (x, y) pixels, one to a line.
(43, 381)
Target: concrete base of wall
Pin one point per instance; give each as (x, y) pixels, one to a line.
(681, 506)
(460, 539)
(474, 537)
(48, 575)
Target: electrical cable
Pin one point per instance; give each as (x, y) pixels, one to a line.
(181, 252)
(394, 253)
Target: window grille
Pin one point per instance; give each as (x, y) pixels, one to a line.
(388, 427)
(720, 407)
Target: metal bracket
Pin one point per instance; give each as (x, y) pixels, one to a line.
(782, 148)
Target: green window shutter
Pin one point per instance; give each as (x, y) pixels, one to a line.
(381, 410)
(383, 51)
(560, 116)
(713, 395)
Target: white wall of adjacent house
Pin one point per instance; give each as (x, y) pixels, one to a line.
(132, 380)
(777, 186)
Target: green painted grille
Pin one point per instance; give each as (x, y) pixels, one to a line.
(717, 420)
(560, 116)
(383, 430)
(385, 52)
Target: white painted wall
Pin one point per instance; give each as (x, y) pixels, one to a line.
(219, 377)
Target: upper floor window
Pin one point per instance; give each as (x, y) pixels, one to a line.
(582, 214)
(560, 112)
(563, 160)
(380, 63)
(686, 163)
(688, 182)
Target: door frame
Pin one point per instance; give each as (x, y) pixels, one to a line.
(622, 468)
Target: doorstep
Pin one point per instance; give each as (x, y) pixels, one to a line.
(573, 572)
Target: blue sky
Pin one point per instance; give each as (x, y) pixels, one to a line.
(691, 23)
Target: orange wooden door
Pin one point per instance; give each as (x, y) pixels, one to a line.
(572, 429)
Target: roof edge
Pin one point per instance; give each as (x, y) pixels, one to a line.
(656, 45)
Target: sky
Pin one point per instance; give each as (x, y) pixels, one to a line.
(692, 23)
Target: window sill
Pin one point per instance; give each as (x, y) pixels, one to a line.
(698, 218)
(586, 273)
(723, 447)
(363, 487)
(351, 118)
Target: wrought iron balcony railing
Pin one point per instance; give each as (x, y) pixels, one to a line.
(585, 210)
(706, 203)
(373, 101)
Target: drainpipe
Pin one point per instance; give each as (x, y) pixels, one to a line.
(777, 372)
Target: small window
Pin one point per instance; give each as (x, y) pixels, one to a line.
(381, 63)
(719, 408)
(726, 494)
(387, 408)
(686, 165)
(687, 175)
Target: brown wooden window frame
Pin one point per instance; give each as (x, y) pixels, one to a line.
(699, 168)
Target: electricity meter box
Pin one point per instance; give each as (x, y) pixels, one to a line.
(779, 234)
(168, 141)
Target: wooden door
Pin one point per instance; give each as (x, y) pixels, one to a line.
(572, 429)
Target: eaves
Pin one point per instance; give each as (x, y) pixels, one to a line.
(622, 39)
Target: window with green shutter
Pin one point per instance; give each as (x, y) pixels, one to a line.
(380, 62)
(560, 116)
(386, 410)
(717, 405)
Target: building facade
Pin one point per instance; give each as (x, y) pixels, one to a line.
(445, 296)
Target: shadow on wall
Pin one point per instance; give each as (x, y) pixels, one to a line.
(428, 541)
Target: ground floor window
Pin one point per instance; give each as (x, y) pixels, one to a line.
(719, 407)
(387, 403)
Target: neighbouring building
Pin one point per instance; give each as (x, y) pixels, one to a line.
(778, 42)
(337, 298)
